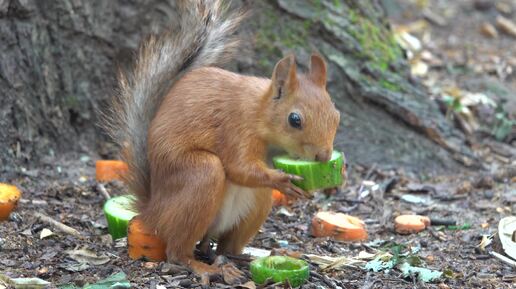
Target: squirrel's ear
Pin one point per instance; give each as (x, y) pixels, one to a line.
(318, 69)
(284, 76)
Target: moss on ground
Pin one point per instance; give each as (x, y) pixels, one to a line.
(377, 43)
(275, 33)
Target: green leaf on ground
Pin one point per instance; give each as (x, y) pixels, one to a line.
(423, 274)
(115, 281)
(382, 262)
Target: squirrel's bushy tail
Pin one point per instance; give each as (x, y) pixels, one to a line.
(202, 38)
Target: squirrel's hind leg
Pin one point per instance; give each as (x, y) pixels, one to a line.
(185, 201)
(234, 241)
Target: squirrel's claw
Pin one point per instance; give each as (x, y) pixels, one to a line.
(284, 184)
(231, 274)
(295, 178)
(295, 191)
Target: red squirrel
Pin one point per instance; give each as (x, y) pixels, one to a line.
(196, 137)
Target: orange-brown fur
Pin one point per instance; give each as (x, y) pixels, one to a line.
(215, 126)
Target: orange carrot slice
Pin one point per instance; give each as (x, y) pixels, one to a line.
(279, 199)
(340, 226)
(9, 196)
(109, 170)
(143, 244)
(409, 224)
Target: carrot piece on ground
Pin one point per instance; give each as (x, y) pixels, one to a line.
(279, 199)
(340, 226)
(9, 196)
(408, 224)
(109, 170)
(143, 244)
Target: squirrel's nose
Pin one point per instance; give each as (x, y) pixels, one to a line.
(323, 156)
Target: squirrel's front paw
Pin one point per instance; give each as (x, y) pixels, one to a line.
(283, 183)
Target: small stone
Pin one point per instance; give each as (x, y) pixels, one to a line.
(506, 26)
(488, 195)
(488, 30)
(485, 182)
(185, 283)
(464, 188)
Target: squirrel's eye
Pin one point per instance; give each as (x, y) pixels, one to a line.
(294, 120)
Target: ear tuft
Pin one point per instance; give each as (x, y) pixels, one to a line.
(318, 69)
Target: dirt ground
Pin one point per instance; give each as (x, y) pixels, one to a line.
(71, 197)
(65, 189)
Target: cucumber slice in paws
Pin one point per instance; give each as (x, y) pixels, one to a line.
(316, 175)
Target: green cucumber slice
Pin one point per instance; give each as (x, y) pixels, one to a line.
(316, 175)
(279, 269)
(118, 211)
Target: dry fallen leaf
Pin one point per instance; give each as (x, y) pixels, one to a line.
(486, 240)
(488, 30)
(247, 285)
(329, 263)
(87, 256)
(363, 255)
(45, 233)
(506, 26)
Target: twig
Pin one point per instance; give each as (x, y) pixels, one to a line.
(323, 278)
(348, 200)
(448, 198)
(504, 259)
(442, 222)
(370, 172)
(240, 258)
(103, 191)
(59, 225)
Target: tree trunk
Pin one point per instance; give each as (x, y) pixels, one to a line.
(59, 59)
